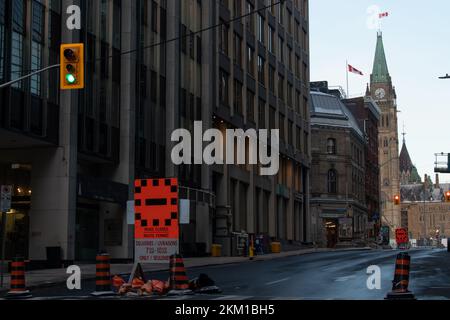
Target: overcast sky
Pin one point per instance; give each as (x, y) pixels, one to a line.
(417, 44)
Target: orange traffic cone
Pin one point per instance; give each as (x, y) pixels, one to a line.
(401, 279)
(178, 280)
(18, 288)
(103, 276)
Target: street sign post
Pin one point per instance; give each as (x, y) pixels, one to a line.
(5, 206)
(156, 220)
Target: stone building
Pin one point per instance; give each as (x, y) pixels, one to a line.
(383, 92)
(408, 172)
(338, 197)
(424, 210)
(368, 116)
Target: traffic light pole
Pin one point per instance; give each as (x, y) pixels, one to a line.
(7, 84)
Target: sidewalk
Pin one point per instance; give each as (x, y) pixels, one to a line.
(53, 277)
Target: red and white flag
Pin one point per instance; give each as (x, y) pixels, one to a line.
(354, 70)
(384, 15)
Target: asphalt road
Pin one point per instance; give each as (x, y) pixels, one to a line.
(318, 276)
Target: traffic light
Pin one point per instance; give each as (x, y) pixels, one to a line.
(72, 66)
(397, 200)
(447, 196)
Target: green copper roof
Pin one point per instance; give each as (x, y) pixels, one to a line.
(415, 177)
(380, 72)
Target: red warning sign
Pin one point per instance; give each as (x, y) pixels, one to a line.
(401, 236)
(156, 220)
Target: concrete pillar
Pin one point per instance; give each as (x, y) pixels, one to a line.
(53, 199)
(54, 178)
(272, 209)
(173, 81)
(125, 171)
(251, 218)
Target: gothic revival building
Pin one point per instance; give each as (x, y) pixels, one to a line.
(383, 92)
(408, 172)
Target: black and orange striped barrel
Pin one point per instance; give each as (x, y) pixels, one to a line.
(178, 277)
(401, 277)
(18, 276)
(103, 273)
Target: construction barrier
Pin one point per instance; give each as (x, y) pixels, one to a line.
(117, 282)
(18, 288)
(103, 281)
(178, 283)
(401, 279)
(178, 279)
(216, 250)
(275, 247)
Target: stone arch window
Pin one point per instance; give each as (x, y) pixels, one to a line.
(331, 146)
(386, 142)
(332, 181)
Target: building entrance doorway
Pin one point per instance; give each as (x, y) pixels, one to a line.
(87, 233)
(331, 226)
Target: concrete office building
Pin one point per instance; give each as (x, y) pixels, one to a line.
(73, 156)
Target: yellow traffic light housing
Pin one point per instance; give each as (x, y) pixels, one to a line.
(447, 196)
(72, 66)
(397, 200)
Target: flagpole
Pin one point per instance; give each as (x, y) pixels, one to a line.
(346, 69)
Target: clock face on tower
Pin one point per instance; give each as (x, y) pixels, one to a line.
(380, 93)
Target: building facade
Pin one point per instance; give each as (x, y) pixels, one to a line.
(425, 213)
(408, 172)
(338, 197)
(368, 116)
(383, 92)
(73, 156)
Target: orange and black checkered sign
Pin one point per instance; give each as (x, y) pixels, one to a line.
(156, 209)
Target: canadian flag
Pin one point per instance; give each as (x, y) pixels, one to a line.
(354, 70)
(384, 15)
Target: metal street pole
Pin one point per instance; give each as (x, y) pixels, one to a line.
(424, 216)
(3, 248)
(7, 84)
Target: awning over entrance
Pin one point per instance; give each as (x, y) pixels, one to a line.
(333, 213)
(102, 190)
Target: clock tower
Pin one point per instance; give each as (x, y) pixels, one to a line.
(383, 92)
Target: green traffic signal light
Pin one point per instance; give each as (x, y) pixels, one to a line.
(70, 78)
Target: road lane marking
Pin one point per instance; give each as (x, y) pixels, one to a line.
(277, 281)
(343, 279)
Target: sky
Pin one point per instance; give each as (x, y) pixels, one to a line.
(416, 38)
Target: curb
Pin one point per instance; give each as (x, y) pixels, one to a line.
(245, 260)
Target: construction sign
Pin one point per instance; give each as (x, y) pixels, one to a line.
(156, 220)
(401, 236)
